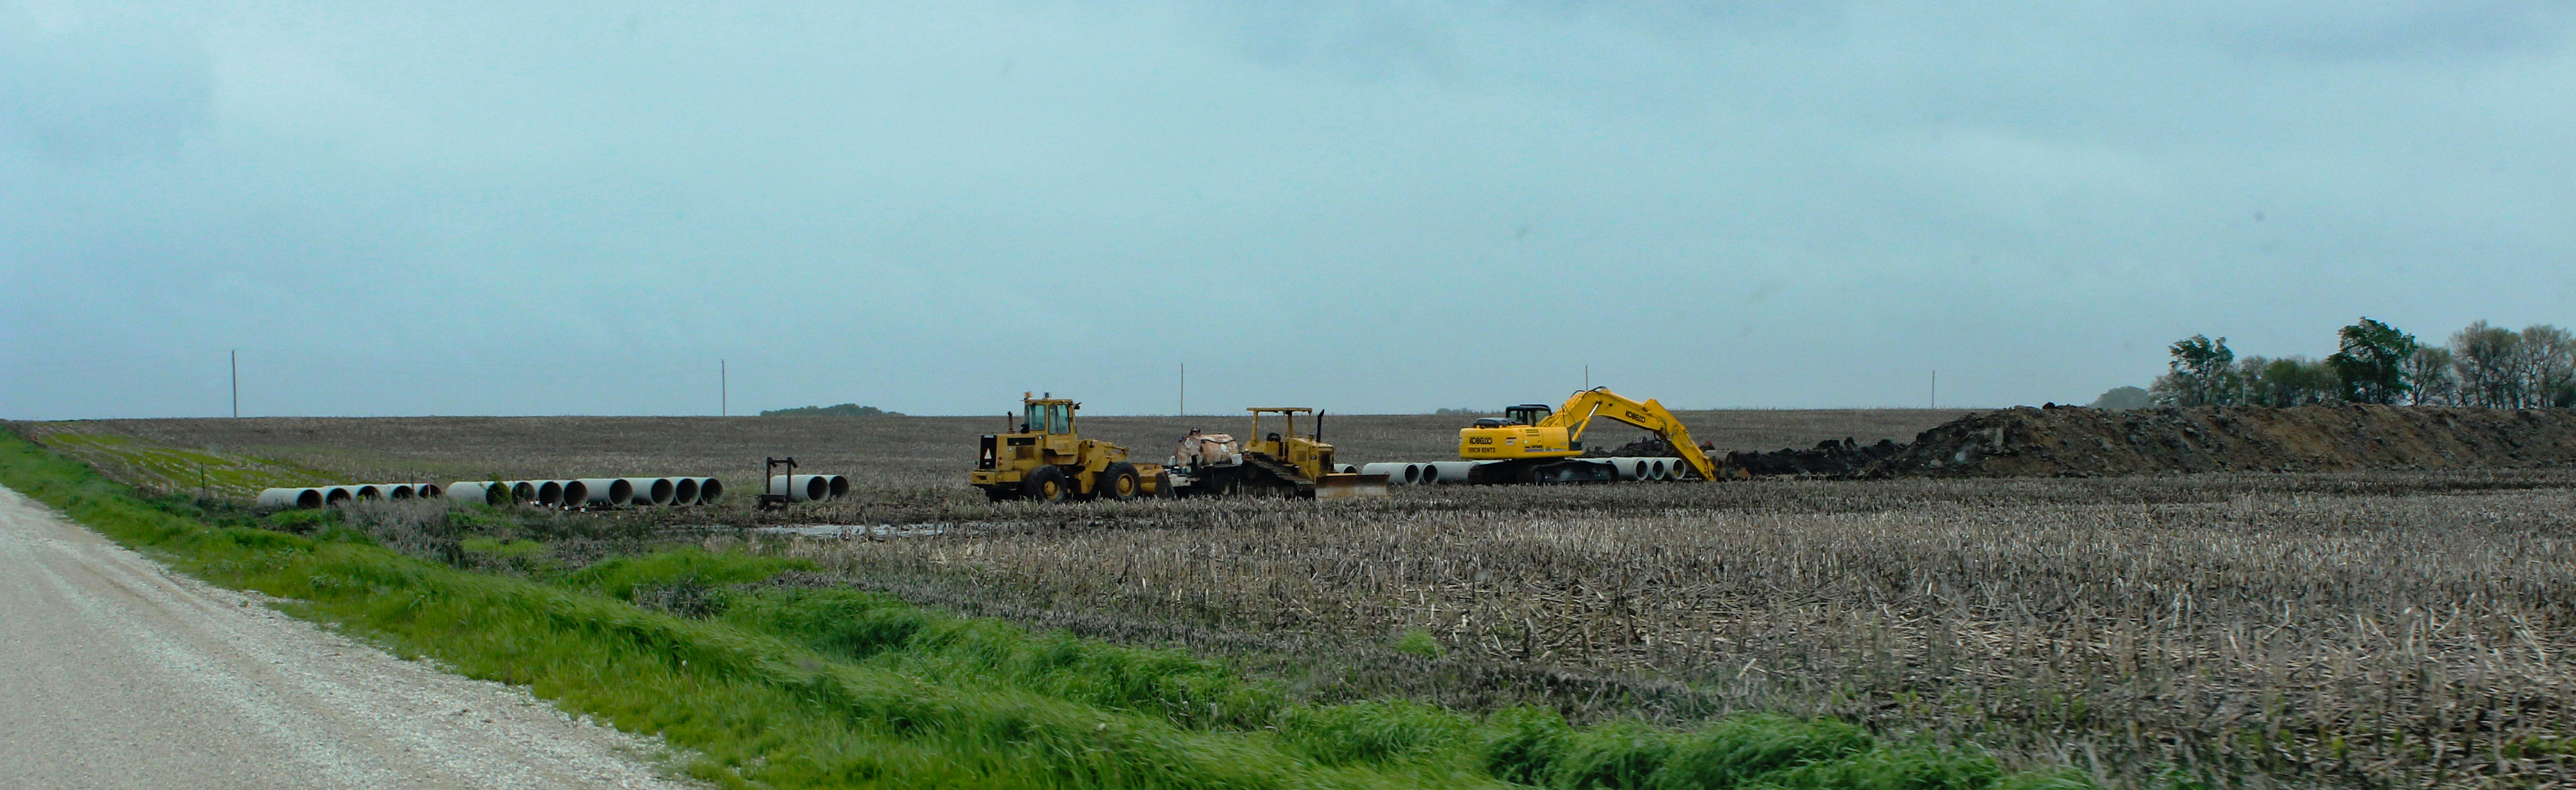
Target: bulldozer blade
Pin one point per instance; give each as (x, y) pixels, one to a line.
(1350, 486)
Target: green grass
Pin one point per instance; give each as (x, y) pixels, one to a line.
(780, 686)
(178, 469)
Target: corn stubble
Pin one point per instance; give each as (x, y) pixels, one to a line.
(2346, 629)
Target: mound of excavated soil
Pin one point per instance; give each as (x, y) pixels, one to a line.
(2074, 441)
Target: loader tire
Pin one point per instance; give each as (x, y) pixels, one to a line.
(1118, 483)
(1047, 484)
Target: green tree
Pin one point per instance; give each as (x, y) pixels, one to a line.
(2288, 381)
(2202, 373)
(2371, 362)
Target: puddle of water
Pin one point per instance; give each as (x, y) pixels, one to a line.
(848, 531)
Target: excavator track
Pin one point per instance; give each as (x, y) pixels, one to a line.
(1270, 474)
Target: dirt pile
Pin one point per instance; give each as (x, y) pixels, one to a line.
(2068, 441)
(1833, 457)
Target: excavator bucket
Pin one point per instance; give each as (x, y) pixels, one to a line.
(1343, 485)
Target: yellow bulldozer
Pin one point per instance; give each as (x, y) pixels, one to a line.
(1532, 444)
(1045, 459)
(1276, 462)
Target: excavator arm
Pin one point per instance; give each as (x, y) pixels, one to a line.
(1579, 410)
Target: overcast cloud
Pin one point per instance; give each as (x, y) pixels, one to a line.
(570, 207)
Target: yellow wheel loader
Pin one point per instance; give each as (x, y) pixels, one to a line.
(1046, 461)
(1277, 462)
(1532, 444)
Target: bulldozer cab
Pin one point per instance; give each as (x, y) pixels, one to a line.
(1279, 440)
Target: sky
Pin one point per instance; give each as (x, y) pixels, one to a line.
(689, 207)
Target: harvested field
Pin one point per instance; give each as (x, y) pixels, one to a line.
(2403, 634)
(2239, 627)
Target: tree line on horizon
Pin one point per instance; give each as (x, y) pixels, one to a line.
(2482, 366)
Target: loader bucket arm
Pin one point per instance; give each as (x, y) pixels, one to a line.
(1650, 415)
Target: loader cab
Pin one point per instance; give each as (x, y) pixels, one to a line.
(1048, 416)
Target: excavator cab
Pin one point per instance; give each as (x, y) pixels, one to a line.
(1526, 414)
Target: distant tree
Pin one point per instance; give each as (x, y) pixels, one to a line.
(843, 410)
(2429, 379)
(2124, 398)
(2202, 373)
(2370, 362)
(2288, 381)
(2548, 366)
(2484, 359)
(1463, 412)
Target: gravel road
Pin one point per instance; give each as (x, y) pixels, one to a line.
(117, 673)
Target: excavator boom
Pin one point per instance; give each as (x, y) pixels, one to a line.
(1579, 410)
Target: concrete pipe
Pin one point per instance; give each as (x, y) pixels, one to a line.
(399, 490)
(1630, 468)
(1663, 469)
(709, 490)
(602, 491)
(651, 490)
(290, 498)
(1348, 469)
(802, 488)
(537, 492)
(571, 493)
(471, 491)
(840, 486)
(1396, 474)
(428, 490)
(1448, 472)
(367, 491)
(684, 491)
(338, 495)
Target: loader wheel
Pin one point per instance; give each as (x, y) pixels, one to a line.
(1118, 482)
(1046, 484)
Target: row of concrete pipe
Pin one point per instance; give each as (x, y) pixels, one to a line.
(282, 498)
(1456, 472)
(584, 492)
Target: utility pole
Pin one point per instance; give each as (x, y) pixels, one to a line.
(1185, 389)
(1587, 377)
(1936, 389)
(236, 357)
(724, 392)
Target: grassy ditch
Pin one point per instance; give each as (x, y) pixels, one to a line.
(784, 687)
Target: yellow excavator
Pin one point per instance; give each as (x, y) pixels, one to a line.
(1532, 444)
